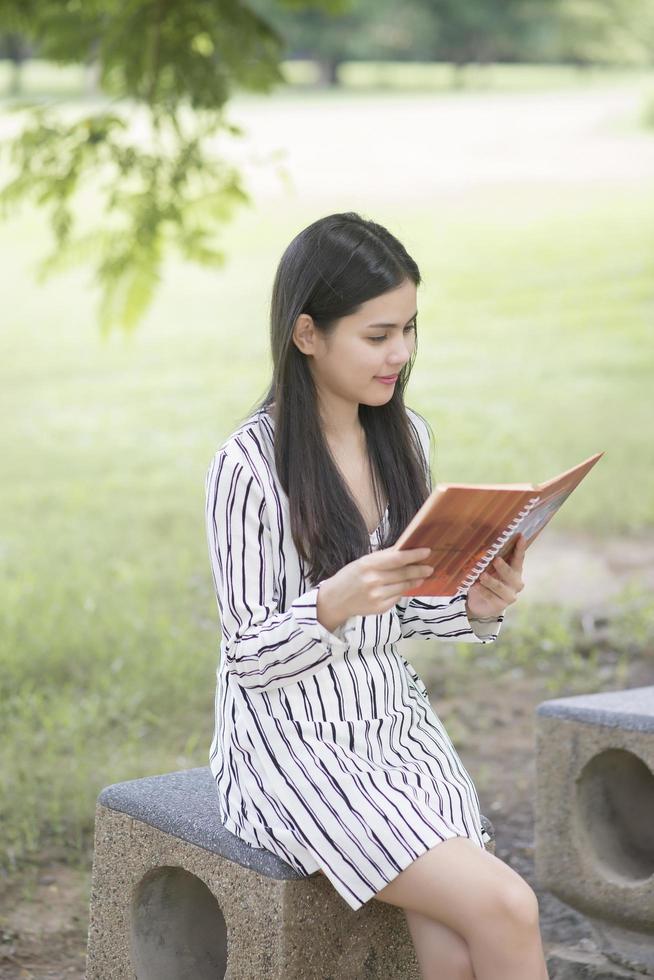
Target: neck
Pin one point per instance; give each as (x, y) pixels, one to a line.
(340, 421)
(341, 427)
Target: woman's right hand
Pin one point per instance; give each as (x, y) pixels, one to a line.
(373, 583)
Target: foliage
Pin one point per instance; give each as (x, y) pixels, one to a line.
(484, 30)
(554, 642)
(630, 622)
(163, 54)
(370, 29)
(603, 32)
(166, 59)
(478, 31)
(153, 198)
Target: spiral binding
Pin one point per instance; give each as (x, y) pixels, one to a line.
(477, 569)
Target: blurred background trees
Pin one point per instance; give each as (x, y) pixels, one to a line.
(164, 72)
(477, 31)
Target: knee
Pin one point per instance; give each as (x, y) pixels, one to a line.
(507, 918)
(518, 905)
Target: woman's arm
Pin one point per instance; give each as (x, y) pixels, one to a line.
(264, 648)
(445, 618)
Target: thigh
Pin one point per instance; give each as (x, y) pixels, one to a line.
(441, 952)
(456, 883)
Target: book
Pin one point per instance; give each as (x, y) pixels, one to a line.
(468, 525)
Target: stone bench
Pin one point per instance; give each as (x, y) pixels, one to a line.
(594, 824)
(174, 896)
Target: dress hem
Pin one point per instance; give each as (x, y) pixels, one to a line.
(433, 841)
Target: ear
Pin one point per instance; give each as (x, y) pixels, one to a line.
(305, 334)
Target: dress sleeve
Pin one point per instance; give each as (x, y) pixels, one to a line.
(443, 617)
(264, 648)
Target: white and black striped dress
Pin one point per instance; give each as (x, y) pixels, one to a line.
(326, 750)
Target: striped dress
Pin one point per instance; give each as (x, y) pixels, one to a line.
(326, 750)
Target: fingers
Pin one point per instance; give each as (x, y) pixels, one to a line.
(518, 556)
(386, 583)
(399, 579)
(399, 567)
(505, 573)
(396, 557)
(395, 590)
(504, 579)
(497, 587)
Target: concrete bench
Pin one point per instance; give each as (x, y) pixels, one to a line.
(174, 896)
(594, 824)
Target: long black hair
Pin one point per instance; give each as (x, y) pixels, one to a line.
(329, 270)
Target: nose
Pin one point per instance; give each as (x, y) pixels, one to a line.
(401, 352)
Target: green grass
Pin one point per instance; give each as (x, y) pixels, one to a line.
(45, 79)
(535, 350)
(541, 310)
(441, 76)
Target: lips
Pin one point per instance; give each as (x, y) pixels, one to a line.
(387, 377)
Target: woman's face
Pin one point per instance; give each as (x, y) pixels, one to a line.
(375, 342)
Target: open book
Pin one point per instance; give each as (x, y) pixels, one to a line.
(468, 525)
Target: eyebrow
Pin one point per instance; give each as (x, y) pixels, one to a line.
(391, 324)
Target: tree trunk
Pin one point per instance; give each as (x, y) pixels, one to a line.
(17, 54)
(458, 75)
(92, 77)
(328, 72)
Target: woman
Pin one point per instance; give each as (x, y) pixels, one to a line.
(326, 750)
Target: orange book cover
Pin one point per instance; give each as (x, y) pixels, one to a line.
(467, 526)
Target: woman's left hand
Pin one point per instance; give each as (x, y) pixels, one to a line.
(492, 593)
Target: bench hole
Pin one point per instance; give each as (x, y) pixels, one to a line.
(615, 803)
(177, 928)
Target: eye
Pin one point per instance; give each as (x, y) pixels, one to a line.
(411, 326)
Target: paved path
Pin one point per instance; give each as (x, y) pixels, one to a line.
(403, 147)
(581, 572)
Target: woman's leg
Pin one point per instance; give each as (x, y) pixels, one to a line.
(478, 896)
(442, 954)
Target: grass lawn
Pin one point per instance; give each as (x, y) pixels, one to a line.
(535, 350)
(42, 78)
